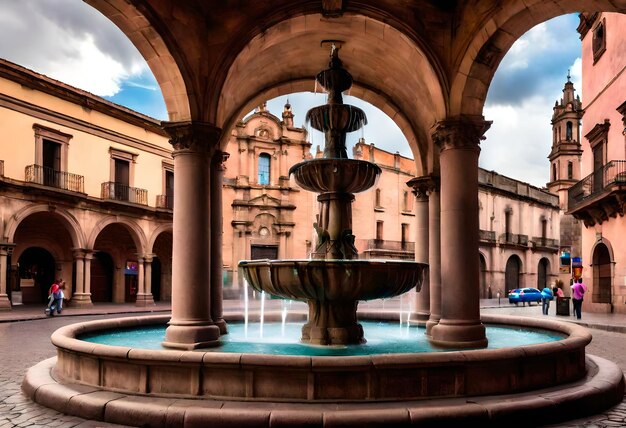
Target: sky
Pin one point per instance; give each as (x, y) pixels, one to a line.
(70, 41)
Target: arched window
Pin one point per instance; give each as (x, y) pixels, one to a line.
(570, 170)
(377, 201)
(568, 131)
(264, 169)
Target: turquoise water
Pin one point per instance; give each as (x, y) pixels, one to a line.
(283, 339)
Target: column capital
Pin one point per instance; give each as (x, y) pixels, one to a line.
(219, 158)
(424, 185)
(192, 136)
(463, 132)
(6, 248)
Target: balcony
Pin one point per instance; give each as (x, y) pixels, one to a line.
(383, 249)
(487, 237)
(513, 239)
(545, 244)
(600, 195)
(122, 192)
(165, 202)
(50, 177)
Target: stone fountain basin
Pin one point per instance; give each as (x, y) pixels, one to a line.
(331, 280)
(254, 377)
(339, 117)
(335, 175)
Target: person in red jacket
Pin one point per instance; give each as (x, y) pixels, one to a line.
(52, 292)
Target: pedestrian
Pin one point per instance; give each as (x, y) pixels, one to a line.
(578, 292)
(557, 291)
(546, 296)
(59, 296)
(54, 288)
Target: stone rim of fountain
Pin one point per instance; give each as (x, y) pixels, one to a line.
(596, 384)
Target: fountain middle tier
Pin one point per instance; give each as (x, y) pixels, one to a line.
(332, 289)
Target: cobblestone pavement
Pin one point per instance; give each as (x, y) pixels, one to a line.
(25, 343)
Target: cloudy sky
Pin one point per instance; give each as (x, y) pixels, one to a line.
(70, 41)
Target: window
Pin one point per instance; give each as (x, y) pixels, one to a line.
(568, 131)
(570, 170)
(264, 169)
(554, 176)
(122, 174)
(508, 212)
(598, 44)
(377, 202)
(379, 230)
(51, 147)
(544, 227)
(405, 234)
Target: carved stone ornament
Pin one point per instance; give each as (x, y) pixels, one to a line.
(193, 136)
(460, 133)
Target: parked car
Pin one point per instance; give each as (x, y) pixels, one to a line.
(523, 295)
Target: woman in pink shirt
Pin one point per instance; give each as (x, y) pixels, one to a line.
(578, 292)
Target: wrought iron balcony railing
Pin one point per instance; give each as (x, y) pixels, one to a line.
(381, 244)
(122, 192)
(513, 238)
(52, 178)
(545, 242)
(487, 235)
(165, 201)
(597, 182)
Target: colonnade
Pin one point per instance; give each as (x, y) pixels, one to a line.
(447, 217)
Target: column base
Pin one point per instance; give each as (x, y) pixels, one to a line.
(458, 334)
(144, 299)
(221, 324)
(192, 336)
(5, 303)
(429, 326)
(81, 300)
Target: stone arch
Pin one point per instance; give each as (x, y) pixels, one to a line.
(499, 30)
(513, 273)
(135, 231)
(602, 262)
(543, 273)
(72, 226)
(155, 50)
(155, 234)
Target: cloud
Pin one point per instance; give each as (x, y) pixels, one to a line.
(537, 63)
(70, 41)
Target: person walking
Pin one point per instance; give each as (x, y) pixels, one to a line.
(578, 292)
(54, 288)
(546, 296)
(59, 296)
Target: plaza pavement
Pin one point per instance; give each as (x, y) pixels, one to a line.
(25, 341)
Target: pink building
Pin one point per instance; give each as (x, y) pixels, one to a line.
(599, 198)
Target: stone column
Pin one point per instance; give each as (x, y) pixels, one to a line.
(217, 231)
(191, 325)
(81, 298)
(144, 295)
(460, 325)
(420, 301)
(5, 250)
(434, 257)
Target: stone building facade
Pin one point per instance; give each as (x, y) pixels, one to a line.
(598, 199)
(85, 191)
(519, 235)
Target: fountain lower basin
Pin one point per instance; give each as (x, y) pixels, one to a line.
(368, 378)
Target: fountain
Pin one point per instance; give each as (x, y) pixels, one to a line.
(334, 280)
(124, 383)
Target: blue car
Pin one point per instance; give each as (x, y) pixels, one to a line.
(523, 295)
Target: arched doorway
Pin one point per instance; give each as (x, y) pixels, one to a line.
(513, 273)
(602, 278)
(543, 270)
(485, 291)
(36, 274)
(155, 279)
(102, 278)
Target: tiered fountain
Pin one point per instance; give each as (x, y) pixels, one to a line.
(334, 280)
